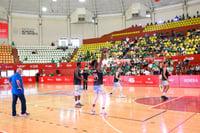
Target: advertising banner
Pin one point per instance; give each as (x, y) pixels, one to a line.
(174, 81)
(3, 30)
(4, 81)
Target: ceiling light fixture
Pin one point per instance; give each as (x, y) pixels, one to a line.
(82, 0)
(54, 0)
(44, 9)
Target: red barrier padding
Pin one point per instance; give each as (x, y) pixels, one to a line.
(175, 81)
(4, 81)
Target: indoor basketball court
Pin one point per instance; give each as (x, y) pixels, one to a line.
(99, 66)
(52, 110)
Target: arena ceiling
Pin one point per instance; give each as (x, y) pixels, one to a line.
(66, 7)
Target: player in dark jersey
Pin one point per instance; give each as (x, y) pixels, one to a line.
(98, 83)
(160, 76)
(85, 76)
(165, 81)
(77, 85)
(117, 83)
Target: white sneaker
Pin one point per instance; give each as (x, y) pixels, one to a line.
(104, 114)
(122, 96)
(92, 112)
(15, 116)
(25, 114)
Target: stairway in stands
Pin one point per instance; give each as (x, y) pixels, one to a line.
(16, 57)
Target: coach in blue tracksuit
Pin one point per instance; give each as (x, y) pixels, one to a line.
(18, 92)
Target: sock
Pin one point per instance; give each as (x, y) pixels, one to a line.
(79, 101)
(93, 105)
(163, 93)
(76, 102)
(103, 110)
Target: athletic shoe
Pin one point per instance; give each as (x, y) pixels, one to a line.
(122, 96)
(77, 106)
(164, 97)
(14, 116)
(93, 112)
(104, 114)
(25, 114)
(80, 104)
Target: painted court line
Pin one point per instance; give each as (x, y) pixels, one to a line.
(168, 109)
(117, 130)
(181, 123)
(165, 102)
(82, 112)
(2, 131)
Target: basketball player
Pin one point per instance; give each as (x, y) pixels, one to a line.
(85, 76)
(165, 81)
(160, 76)
(77, 85)
(98, 83)
(117, 83)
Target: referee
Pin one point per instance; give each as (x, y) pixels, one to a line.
(18, 92)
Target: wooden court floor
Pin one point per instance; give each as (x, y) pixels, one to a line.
(142, 111)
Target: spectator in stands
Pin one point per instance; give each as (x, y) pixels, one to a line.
(138, 71)
(26, 58)
(52, 60)
(198, 30)
(34, 52)
(13, 43)
(60, 60)
(171, 62)
(197, 69)
(171, 68)
(150, 65)
(192, 70)
(52, 44)
(37, 75)
(85, 76)
(147, 72)
(155, 70)
(178, 68)
(186, 62)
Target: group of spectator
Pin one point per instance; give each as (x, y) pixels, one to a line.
(155, 46)
(151, 46)
(176, 18)
(140, 66)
